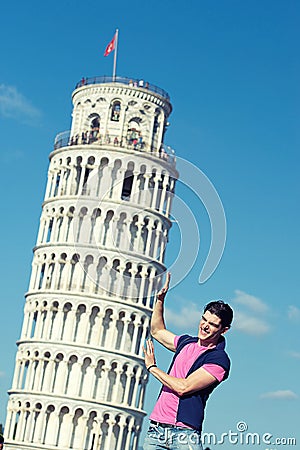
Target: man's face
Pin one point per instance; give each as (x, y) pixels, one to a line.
(210, 328)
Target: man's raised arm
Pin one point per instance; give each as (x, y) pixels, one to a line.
(157, 324)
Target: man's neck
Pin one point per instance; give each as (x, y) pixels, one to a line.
(206, 344)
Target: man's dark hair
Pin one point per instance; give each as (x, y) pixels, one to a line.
(1, 439)
(221, 310)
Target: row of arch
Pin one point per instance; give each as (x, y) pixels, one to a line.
(64, 426)
(120, 115)
(138, 233)
(128, 281)
(86, 377)
(112, 328)
(111, 180)
(117, 104)
(97, 130)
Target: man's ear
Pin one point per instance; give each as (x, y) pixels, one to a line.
(225, 329)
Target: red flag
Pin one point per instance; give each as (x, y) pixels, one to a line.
(110, 47)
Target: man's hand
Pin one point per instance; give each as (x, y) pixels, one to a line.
(149, 353)
(162, 293)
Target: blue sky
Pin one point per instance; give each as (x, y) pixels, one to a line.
(232, 70)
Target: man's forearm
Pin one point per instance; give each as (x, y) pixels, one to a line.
(157, 320)
(177, 385)
(200, 379)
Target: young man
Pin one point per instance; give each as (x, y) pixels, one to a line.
(199, 365)
(1, 441)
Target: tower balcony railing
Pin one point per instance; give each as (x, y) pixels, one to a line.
(131, 82)
(165, 152)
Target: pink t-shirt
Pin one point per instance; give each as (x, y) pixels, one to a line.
(165, 409)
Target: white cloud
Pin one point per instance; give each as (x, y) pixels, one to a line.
(13, 104)
(294, 354)
(294, 313)
(280, 395)
(250, 320)
(248, 324)
(186, 317)
(250, 314)
(251, 302)
(11, 156)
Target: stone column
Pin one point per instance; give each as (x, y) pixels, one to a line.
(109, 434)
(21, 375)
(69, 325)
(130, 374)
(126, 321)
(49, 184)
(128, 438)
(25, 322)
(15, 382)
(115, 396)
(19, 424)
(143, 337)
(37, 438)
(135, 332)
(122, 424)
(48, 376)
(61, 377)
(136, 386)
(38, 375)
(142, 392)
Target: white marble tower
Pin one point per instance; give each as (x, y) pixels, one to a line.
(79, 380)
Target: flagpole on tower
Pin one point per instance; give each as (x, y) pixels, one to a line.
(115, 54)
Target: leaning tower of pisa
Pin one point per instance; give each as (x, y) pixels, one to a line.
(79, 379)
